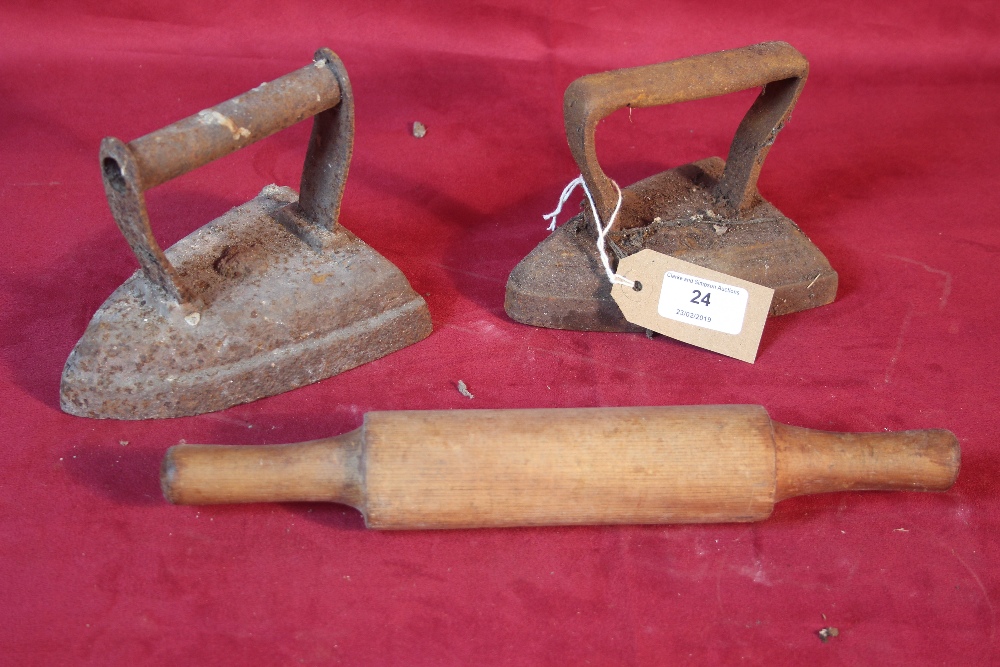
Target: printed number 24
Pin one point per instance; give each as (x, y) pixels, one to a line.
(698, 298)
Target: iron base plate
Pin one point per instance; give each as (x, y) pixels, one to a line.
(562, 285)
(275, 314)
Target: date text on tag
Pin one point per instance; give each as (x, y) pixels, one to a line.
(693, 304)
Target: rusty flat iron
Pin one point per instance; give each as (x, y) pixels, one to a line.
(708, 212)
(271, 296)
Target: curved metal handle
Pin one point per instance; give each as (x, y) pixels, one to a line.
(321, 89)
(777, 66)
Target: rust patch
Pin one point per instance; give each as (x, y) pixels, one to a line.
(237, 261)
(234, 311)
(708, 212)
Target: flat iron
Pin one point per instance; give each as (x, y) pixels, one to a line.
(271, 296)
(708, 212)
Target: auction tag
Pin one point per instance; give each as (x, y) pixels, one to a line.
(693, 304)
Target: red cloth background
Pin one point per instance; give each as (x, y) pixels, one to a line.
(889, 165)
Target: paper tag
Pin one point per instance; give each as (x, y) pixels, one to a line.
(693, 304)
(703, 303)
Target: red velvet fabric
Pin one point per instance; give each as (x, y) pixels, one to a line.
(889, 165)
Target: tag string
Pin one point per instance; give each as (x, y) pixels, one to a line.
(602, 230)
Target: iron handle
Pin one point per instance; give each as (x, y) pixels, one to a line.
(216, 132)
(777, 66)
(320, 89)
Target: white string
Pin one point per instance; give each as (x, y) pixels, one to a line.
(567, 191)
(602, 230)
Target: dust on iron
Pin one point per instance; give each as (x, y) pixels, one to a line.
(464, 390)
(707, 216)
(419, 129)
(825, 634)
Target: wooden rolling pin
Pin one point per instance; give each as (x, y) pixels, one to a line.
(479, 468)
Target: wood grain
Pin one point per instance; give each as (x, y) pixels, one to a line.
(809, 461)
(321, 470)
(462, 469)
(488, 468)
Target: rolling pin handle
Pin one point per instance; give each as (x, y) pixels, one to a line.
(321, 470)
(809, 461)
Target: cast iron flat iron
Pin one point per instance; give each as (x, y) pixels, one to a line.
(271, 296)
(708, 212)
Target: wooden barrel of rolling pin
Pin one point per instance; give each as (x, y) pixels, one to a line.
(480, 468)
